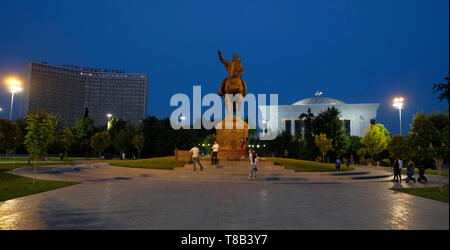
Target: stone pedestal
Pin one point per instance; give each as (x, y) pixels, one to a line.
(229, 133)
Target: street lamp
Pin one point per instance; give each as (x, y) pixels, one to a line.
(14, 87)
(109, 120)
(398, 103)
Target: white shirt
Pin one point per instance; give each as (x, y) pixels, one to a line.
(400, 164)
(215, 147)
(250, 156)
(195, 151)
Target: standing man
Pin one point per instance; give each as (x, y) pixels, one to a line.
(253, 159)
(195, 152)
(215, 149)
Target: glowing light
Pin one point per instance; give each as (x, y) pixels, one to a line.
(14, 85)
(108, 124)
(398, 102)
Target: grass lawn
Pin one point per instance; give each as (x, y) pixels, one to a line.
(51, 159)
(13, 186)
(308, 166)
(167, 162)
(13, 165)
(433, 193)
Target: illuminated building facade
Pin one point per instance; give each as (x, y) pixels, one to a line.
(67, 90)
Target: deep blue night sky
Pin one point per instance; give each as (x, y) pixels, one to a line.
(356, 51)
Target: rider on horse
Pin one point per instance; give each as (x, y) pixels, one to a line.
(233, 84)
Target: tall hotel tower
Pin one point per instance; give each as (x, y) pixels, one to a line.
(67, 90)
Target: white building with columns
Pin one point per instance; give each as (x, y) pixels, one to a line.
(356, 116)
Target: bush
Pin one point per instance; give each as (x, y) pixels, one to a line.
(386, 162)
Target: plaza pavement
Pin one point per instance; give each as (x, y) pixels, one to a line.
(124, 198)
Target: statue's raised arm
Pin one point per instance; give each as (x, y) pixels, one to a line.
(226, 63)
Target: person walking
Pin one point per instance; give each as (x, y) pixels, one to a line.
(338, 164)
(215, 149)
(253, 159)
(397, 171)
(195, 152)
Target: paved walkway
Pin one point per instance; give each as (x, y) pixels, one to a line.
(232, 172)
(113, 200)
(144, 204)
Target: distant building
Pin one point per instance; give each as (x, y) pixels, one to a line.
(68, 90)
(356, 117)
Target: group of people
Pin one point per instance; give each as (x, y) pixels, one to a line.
(195, 151)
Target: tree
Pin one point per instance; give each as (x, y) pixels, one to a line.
(328, 122)
(9, 135)
(40, 134)
(84, 129)
(308, 145)
(138, 143)
(68, 139)
(284, 145)
(323, 144)
(22, 124)
(386, 133)
(443, 88)
(398, 146)
(208, 142)
(252, 131)
(374, 141)
(354, 144)
(100, 142)
(429, 138)
(122, 142)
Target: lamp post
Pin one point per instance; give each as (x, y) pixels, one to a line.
(14, 87)
(108, 124)
(398, 103)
